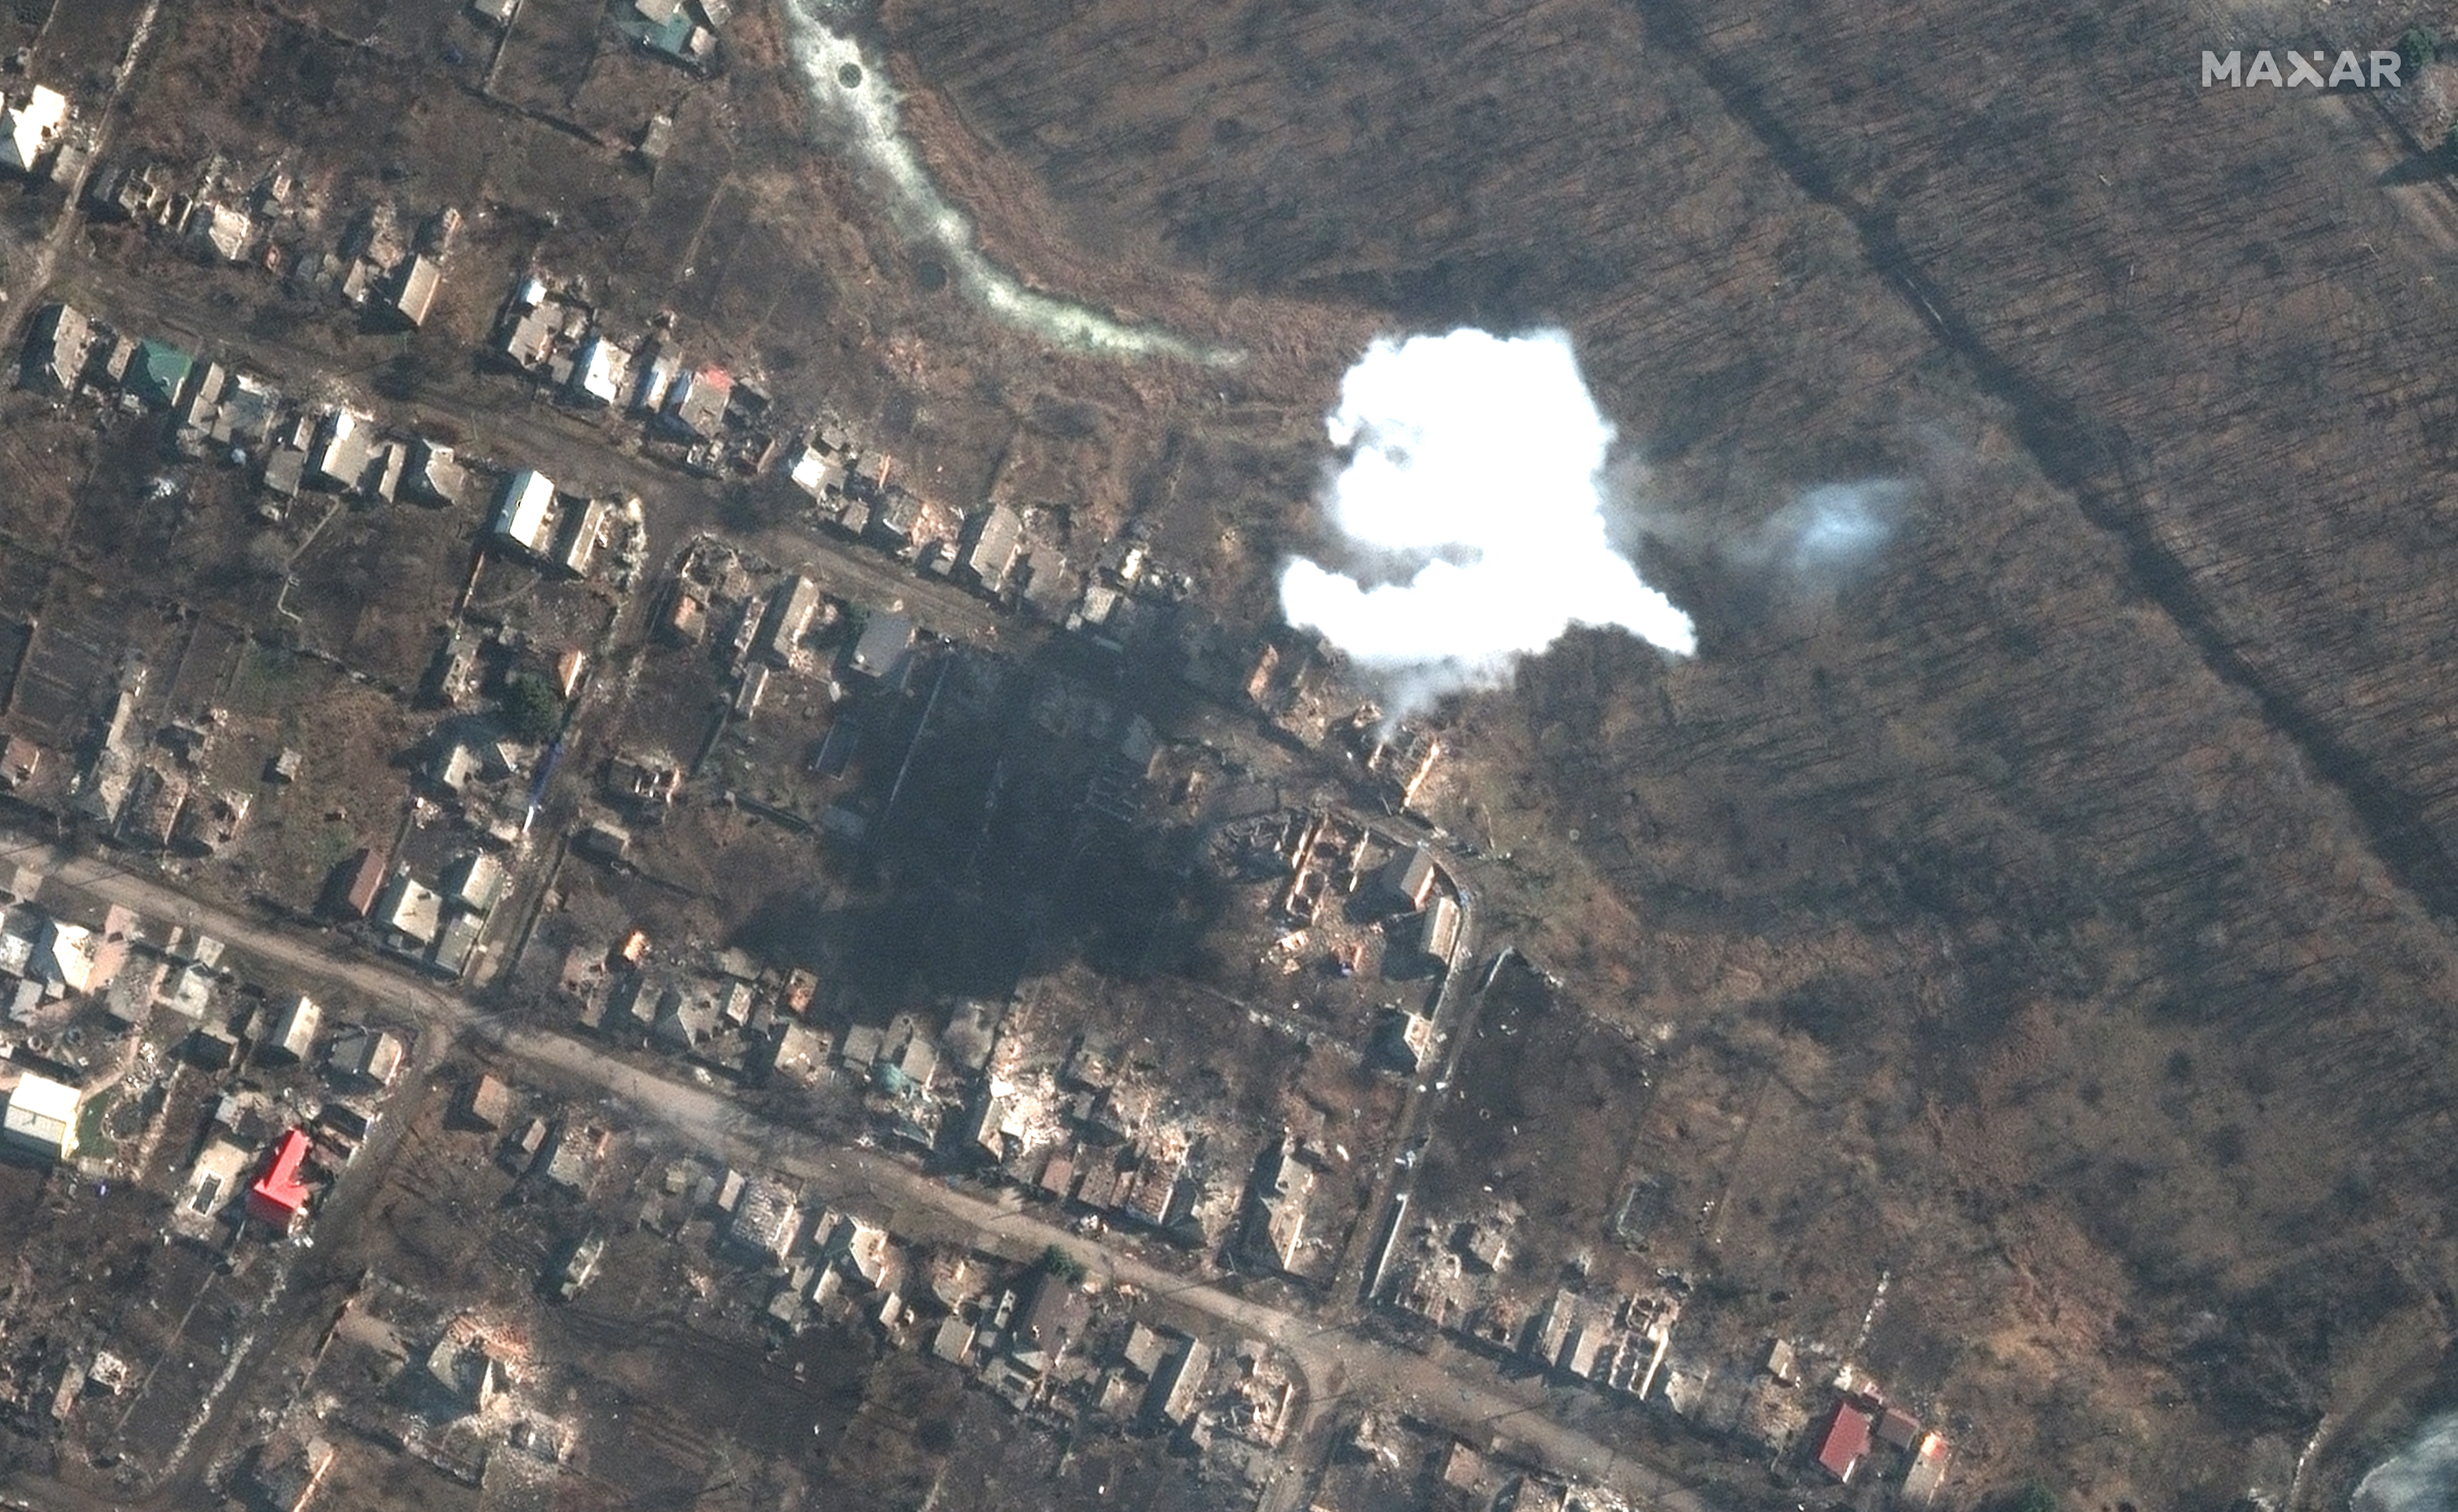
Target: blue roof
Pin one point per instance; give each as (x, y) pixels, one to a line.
(673, 39)
(159, 373)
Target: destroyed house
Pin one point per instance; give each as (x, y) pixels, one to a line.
(896, 518)
(294, 1033)
(434, 474)
(881, 648)
(696, 405)
(55, 349)
(244, 413)
(1050, 1316)
(766, 1218)
(818, 474)
(221, 232)
(989, 553)
(287, 1472)
(529, 335)
(788, 616)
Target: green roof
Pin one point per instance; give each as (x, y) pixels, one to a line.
(672, 37)
(159, 373)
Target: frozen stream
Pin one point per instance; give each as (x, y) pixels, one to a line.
(848, 87)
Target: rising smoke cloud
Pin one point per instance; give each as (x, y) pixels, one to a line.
(1474, 517)
(1829, 531)
(850, 91)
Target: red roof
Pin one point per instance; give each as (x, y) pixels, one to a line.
(1847, 1440)
(279, 1196)
(367, 882)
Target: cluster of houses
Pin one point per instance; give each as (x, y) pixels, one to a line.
(285, 1127)
(449, 1387)
(1031, 1337)
(992, 550)
(1863, 1435)
(551, 331)
(723, 424)
(760, 618)
(1470, 1480)
(1452, 1277)
(222, 412)
(384, 262)
(336, 449)
(572, 533)
(681, 31)
(156, 795)
(734, 1016)
(437, 924)
(1324, 860)
(1083, 1135)
(294, 1096)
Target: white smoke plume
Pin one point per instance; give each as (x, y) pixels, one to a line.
(1829, 529)
(1472, 490)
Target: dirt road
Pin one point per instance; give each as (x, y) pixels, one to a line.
(1332, 1361)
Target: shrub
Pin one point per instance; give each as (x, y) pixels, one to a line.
(2417, 49)
(532, 711)
(1062, 1264)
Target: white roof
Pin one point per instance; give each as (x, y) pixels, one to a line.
(414, 909)
(65, 954)
(598, 372)
(44, 1113)
(31, 125)
(298, 1025)
(41, 1097)
(527, 499)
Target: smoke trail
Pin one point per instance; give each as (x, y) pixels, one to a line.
(851, 89)
(1471, 492)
